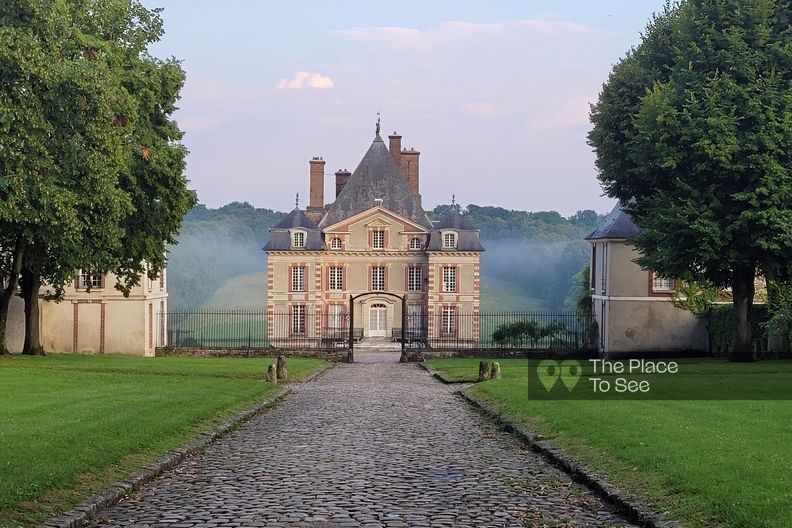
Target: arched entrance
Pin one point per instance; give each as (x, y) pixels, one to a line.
(377, 320)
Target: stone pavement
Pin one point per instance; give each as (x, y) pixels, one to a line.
(368, 444)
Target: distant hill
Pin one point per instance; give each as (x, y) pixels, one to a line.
(531, 257)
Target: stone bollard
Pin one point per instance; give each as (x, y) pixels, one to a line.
(495, 372)
(272, 373)
(282, 372)
(483, 371)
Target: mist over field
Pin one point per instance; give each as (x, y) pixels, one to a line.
(529, 262)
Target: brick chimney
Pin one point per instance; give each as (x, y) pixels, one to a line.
(342, 177)
(316, 204)
(394, 147)
(409, 167)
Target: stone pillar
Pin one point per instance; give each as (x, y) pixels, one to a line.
(495, 371)
(484, 371)
(281, 370)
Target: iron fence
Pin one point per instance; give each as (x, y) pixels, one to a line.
(443, 330)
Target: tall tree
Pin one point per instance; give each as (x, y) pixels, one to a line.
(94, 168)
(692, 134)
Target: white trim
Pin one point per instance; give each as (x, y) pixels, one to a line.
(617, 298)
(355, 218)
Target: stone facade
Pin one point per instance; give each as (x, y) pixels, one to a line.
(375, 237)
(631, 305)
(99, 321)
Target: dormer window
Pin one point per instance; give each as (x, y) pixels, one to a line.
(378, 239)
(415, 244)
(298, 239)
(335, 243)
(449, 241)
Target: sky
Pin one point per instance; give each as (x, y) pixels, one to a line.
(495, 95)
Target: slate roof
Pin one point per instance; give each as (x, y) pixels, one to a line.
(618, 224)
(280, 238)
(454, 220)
(467, 238)
(377, 176)
(295, 218)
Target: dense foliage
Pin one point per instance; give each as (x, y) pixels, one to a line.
(692, 134)
(218, 244)
(720, 327)
(91, 168)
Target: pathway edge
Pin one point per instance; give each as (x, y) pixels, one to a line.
(87, 510)
(635, 511)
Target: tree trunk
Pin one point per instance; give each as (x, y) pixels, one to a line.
(8, 292)
(31, 283)
(743, 296)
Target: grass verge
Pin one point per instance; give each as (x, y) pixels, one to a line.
(702, 462)
(74, 424)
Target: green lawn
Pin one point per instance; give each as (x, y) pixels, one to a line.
(73, 424)
(498, 295)
(703, 462)
(242, 292)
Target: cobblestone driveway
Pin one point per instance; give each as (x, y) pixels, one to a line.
(368, 444)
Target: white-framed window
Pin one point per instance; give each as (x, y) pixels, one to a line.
(449, 279)
(335, 316)
(448, 322)
(449, 241)
(415, 244)
(663, 285)
(298, 278)
(378, 239)
(298, 239)
(336, 278)
(86, 279)
(414, 278)
(298, 319)
(335, 243)
(378, 278)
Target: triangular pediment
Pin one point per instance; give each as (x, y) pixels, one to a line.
(377, 217)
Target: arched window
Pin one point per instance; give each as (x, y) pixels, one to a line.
(335, 243)
(415, 244)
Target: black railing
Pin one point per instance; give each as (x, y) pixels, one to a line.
(443, 330)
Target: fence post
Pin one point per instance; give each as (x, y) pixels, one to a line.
(351, 354)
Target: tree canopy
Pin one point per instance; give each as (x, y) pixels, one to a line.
(692, 134)
(91, 168)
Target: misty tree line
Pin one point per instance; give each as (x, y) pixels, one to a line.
(538, 252)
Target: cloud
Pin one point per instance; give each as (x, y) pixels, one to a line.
(568, 113)
(403, 37)
(304, 79)
(483, 109)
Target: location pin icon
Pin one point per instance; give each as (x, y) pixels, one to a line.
(570, 373)
(548, 373)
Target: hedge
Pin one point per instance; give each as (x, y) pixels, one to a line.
(720, 324)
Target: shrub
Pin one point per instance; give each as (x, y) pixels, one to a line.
(518, 332)
(720, 324)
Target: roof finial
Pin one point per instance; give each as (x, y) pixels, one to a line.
(378, 122)
(453, 200)
(297, 201)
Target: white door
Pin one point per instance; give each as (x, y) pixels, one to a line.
(377, 325)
